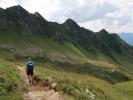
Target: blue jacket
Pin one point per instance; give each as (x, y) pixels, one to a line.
(30, 65)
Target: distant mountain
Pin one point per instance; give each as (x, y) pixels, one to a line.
(128, 37)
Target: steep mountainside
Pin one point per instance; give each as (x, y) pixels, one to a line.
(23, 34)
(18, 19)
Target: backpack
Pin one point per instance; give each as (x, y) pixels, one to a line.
(30, 66)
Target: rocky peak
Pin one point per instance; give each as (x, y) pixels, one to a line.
(103, 31)
(71, 26)
(1, 9)
(70, 22)
(17, 9)
(37, 14)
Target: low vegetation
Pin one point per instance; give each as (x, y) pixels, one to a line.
(10, 83)
(76, 85)
(66, 64)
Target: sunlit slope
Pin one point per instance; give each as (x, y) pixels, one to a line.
(10, 82)
(75, 85)
(13, 44)
(72, 85)
(126, 88)
(66, 56)
(38, 46)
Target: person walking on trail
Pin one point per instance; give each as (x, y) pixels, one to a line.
(30, 70)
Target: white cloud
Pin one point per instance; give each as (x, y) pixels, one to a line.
(7, 3)
(95, 25)
(113, 15)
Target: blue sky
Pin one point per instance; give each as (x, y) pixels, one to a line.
(113, 15)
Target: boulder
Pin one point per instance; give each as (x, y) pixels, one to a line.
(91, 95)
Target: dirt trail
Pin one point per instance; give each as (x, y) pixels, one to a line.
(36, 91)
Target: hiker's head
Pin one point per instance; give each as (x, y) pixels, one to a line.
(29, 59)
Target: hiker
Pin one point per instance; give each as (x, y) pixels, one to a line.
(30, 70)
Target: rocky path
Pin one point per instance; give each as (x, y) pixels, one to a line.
(36, 91)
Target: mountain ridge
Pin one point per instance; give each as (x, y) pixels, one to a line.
(84, 42)
(17, 18)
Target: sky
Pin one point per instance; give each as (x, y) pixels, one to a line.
(115, 16)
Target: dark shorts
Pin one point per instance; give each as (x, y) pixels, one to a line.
(30, 72)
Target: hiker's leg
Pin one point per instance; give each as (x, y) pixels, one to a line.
(29, 78)
(32, 78)
(28, 74)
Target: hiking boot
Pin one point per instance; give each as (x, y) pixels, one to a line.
(30, 81)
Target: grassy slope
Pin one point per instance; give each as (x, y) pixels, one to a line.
(126, 88)
(72, 85)
(75, 85)
(10, 83)
(12, 44)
